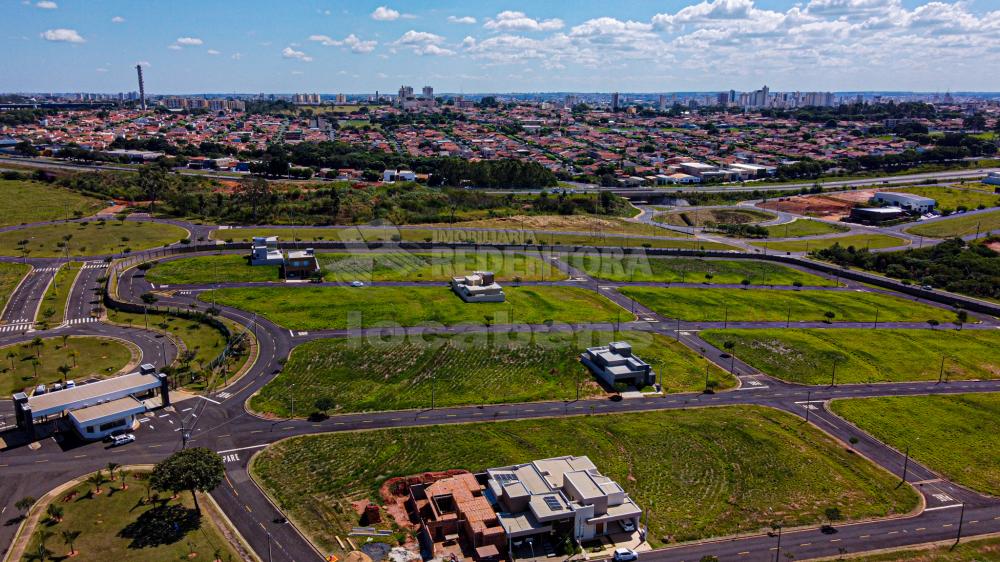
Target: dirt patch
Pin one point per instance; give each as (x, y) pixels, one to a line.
(395, 491)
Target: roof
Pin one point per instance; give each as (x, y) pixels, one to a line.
(907, 197)
(122, 406)
(134, 382)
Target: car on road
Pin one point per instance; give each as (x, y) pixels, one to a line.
(357, 284)
(123, 439)
(624, 555)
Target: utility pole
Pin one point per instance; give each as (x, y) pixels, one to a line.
(906, 464)
(941, 372)
(777, 552)
(833, 376)
(788, 317)
(961, 519)
(876, 319)
(808, 404)
(678, 332)
(433, 384)
(268, 546)
(725, 318)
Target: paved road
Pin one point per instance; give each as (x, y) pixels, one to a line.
(20, 310)
(220, 422)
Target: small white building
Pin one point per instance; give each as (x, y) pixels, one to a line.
(481, 286)
(391, 176)
(907, 201)
(264, 251)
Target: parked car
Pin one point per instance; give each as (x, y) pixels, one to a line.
(628, 525)
(624, 555)
(122, 439)
(357, 284)
(57, 387)
(40, 389)
(70, 384)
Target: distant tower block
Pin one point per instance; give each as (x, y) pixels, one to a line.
(142, 89)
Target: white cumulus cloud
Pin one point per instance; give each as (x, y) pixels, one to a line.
(189, 41)
(468, 20)
(509, 20)
(424, 43)
(385, 13)
(63, 35)
(290, 53)
(117, 19)
(46, 5)
(352, 41)
(213, 52)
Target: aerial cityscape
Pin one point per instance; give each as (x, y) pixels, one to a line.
(677, 281)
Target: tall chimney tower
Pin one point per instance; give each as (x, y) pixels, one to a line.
(142, 89)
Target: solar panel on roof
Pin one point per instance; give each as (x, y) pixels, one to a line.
(505, 477)
(553, 503)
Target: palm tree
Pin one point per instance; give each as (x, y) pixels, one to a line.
(73, 353)
(37, 343)
(11, 355)
(54, 512)
(34, 366)
(122, 475)
(69, 537)
(96, 479)
(112, 467)
(41, 554)
(64, 370)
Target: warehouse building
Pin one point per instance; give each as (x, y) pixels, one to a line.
(906, 201)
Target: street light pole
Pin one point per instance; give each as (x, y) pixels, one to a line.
(876, 319)
(906, 463)
(808, 404)
(833, 375)
(777, 552)
(961, 519)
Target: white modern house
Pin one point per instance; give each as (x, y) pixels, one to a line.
(481, 286)
(615, 363)
(264, 251)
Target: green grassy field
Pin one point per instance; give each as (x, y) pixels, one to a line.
(402, 266)
(767, 305)
(23, 201)
(691, 270)
(556, 223)
(871, 241)
(803, 227)
(958, 226)
(314, 308)
(703, 217)
(10, 275)
(954, 435)
(700, 473)
(971, 550)
(362, 375)
(307, 234)
(862, 356)
(92, 357)
(53, 307)
(117, 525)
(88, 238)
(954, 197)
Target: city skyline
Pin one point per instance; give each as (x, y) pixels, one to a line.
(674, 46)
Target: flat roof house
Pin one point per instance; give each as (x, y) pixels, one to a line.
(264, 251)
(300, 264)
(615, 363)
(481, 286)
(907, 201)
(98, 408)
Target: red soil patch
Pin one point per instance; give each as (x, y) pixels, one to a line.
(395, 491)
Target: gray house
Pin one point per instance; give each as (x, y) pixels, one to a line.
(615, 363)
(264, 251)
(481, 286)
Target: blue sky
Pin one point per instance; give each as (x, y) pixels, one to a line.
(500, 46)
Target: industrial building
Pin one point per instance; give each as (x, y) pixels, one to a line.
(95, 409)
(906, 201)
(875, 215)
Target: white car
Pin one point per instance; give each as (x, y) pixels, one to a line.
(628, 525)
(122, 439)
(357, 284)
(624, 555)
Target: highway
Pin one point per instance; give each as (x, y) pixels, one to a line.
(220, 422)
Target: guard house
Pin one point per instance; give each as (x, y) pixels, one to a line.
(264, 251)
(552, 497)
(96, 409)
(615, 363)
(481, 286)
(908, 201)
(301, 264)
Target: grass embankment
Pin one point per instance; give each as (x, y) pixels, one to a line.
(363, 266)
(954, 435)
(803, 227)
(703, 217)
(951, 198)
(869, 241)
(53, 308)
(307, 234)
(958, 226)
(362, 375)
(10, 275)
(767, 305)
(700, 473)
(120, 525)
(560, 223)
(88, 238)
(314, 308)
(87, 357)
(862, 356)
(971, 550)
(202, 340)
(23, 201)
(691, 270)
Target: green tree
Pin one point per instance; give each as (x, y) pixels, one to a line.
(195, 470)
(69, 539)
(64, 370)
(24, 504)
(54, 512)
(96, 479)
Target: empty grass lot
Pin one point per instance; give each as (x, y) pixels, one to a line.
(870, 241)
(93, 358)
(767, 305)
(702, 217)
(53, 308)
(23, 201)
(708, 472)
(315, 308)
(116, 525)
(803, 227)
(807, 356)
(970, 197)
(961, 225)
(954, 435)
(691, 270)
(10, 275)
(88, 238)
(529, 237)
(362, 375)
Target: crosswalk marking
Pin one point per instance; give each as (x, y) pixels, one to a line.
(224, 395)
(82, 320)
(45, 269)
(94, 265)
(15, 327)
